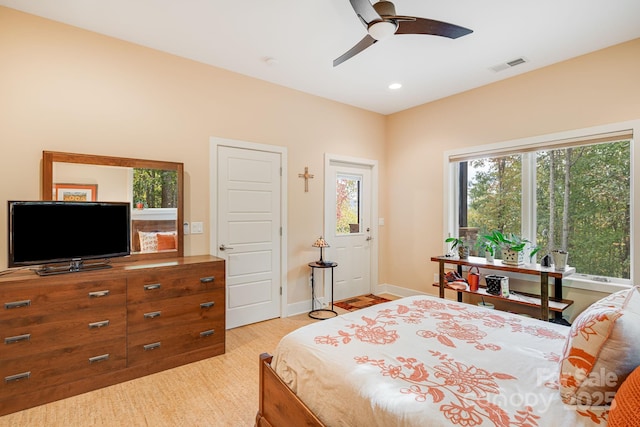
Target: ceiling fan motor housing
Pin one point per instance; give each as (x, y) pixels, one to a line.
(387, 26)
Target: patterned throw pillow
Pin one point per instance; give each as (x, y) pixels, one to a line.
(602, 349)
(148, 241)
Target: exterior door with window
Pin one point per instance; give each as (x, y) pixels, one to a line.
(348, 227)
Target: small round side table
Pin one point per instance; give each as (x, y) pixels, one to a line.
(321, 313)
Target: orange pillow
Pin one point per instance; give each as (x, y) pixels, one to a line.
(602, 349)
(166, 241)
(625, 409)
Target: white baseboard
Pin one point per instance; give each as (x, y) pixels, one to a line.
(386, 288)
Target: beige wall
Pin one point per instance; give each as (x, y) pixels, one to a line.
(66, 89)
(595, 89)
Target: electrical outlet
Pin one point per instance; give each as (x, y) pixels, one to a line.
(436, 277)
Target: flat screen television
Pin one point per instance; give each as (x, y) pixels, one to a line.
(47, 233)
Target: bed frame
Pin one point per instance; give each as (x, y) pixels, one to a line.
(278, 405)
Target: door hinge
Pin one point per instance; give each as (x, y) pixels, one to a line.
(280, 290)
(280, 171)
(280, 231)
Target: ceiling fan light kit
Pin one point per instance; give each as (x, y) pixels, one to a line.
(382, 29)
(381, 21)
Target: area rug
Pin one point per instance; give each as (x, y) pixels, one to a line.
(356, 303)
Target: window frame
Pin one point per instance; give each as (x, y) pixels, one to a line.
(451, 191)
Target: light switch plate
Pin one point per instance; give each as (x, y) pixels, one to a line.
(196, 227)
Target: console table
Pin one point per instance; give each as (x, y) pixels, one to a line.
(544, 301)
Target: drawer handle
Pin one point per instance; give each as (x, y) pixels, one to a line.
(97, 325)
(207, 279)
(101, 358)
(17, 377)
(98, 294)
(17, 338)
(153, 346)
(152, 287)
(207, 333)
(152, 315)
(207, 304)
(17, 304)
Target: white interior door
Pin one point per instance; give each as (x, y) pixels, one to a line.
(249, 232)
(348, 226)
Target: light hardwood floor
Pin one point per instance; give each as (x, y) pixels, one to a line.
(219, 391)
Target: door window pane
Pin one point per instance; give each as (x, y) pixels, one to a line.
(347, 204)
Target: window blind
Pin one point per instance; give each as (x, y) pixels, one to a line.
(622, 135)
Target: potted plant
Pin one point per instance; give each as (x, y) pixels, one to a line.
(463, 248)
(511, 245)
(490, 246)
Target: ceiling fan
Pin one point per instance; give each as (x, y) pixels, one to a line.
(381, 21)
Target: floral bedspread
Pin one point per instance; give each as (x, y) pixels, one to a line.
(425, 361)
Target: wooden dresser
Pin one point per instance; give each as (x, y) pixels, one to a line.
(71, 333)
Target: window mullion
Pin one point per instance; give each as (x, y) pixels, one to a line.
(529, 211)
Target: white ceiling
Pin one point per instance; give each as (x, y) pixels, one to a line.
(305, 36)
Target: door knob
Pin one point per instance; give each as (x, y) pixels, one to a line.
(224, 248)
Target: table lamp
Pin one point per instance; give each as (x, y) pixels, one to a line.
(320, 243)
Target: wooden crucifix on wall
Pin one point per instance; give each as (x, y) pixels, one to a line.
(306, 175)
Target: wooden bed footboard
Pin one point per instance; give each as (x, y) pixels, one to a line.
(278, 405)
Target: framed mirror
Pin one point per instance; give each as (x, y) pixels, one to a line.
(154, 189)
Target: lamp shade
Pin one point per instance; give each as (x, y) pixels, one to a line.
(320, 243)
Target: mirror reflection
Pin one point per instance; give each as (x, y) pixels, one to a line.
(153, 192)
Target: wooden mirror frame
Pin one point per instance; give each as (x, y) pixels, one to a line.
(51, 157)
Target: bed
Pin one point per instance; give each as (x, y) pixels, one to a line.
(423, 361)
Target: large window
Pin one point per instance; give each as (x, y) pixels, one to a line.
(571, 195)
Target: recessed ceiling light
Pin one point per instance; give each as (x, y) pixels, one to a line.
(270, 61)
(395, 86)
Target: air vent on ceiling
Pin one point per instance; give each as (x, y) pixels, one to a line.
(509, 64)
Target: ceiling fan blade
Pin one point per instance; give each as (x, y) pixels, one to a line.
(362, 45)
(365, 11)
(431, 27)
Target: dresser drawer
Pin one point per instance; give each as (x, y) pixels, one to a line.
(145, 347)
(31, 334)
(53, 368)
(28, 299)
(174, 312)
(174, 282)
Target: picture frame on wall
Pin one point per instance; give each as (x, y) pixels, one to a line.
(75, 192)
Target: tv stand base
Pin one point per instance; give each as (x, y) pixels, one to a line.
(75, 266)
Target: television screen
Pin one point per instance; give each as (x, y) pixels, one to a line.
(42, 232)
